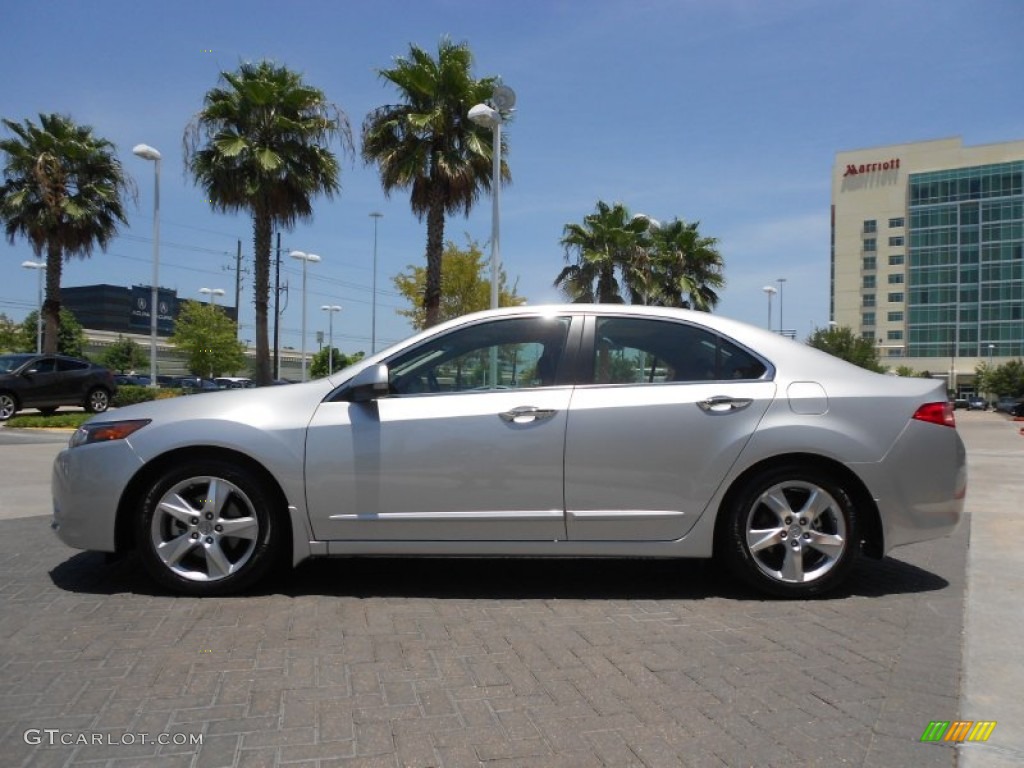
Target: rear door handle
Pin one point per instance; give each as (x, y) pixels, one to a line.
(723, 404)
(525, 414)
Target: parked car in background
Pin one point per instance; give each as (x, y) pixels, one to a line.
(1018, 409)
(1007, 404)
(194, 384)
(977, 403)
(131, 379)
(234, 382)
(561, 431)
(46, 382)
(960, 403)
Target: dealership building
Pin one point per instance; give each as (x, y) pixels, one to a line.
(927, 253)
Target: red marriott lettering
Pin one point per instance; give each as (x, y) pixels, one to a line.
(888, 165)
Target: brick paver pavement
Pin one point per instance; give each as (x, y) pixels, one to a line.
(466, 663)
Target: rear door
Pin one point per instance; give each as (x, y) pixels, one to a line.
(663, 412)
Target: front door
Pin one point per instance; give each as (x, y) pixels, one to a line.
(468, 446)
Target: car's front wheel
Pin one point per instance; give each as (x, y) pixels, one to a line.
(98, 400)
(208, 527)
(791, 532)
(8, 406)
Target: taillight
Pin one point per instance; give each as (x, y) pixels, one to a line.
(937, 413)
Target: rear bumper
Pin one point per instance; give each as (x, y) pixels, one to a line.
(920, 486)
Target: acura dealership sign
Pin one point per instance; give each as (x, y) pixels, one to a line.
(141, 296)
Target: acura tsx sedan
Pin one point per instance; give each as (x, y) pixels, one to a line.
(563, 431)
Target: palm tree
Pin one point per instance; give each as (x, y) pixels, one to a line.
(259, 144)
(603, 246)
(427, 144)
(62, 191)
(687, 269)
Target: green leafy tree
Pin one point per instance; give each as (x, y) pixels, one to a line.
(426, 144)
(1006, 380)
(319, 364)
(70, 335)
(843, 343)
(614, 257)
(260, 145)
(677, 267)
(10, 334)
(465, 286)
(62, 191)
(124, 355)
(599, 252)
(208, 337)
(908, 372)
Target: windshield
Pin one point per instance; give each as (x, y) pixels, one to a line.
(9, 363)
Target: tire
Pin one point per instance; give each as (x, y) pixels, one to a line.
(97, 401)
(8, 406)
(790, 532)
(208, 527)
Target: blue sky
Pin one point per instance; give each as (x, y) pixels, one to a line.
(726, 112)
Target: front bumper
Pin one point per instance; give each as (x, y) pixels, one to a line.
(87, 483)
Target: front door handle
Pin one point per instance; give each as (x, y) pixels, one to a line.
(526, 414)
(723, 404)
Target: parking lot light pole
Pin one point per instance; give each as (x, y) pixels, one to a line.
(781, 281)
(40, 267)
(213, 293)
(770, 290)
(147, 152)
(330, 309)
(377, 216)
(305, 258)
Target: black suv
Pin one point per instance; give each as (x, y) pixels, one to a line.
(46, 382)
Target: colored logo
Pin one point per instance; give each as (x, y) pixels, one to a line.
(958, 730)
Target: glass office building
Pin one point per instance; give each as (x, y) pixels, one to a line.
(927, 253)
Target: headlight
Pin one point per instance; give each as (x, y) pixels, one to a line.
(102, 431)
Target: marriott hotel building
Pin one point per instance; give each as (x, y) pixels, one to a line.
(927, 253)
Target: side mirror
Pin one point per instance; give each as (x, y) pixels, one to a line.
(369, 384)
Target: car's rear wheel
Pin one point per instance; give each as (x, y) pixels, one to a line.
(8, 406)
(791, 532)
(208, 528)
(98, 400)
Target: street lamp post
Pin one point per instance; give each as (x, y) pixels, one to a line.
(39, 266)
(377, 216)
(486, 116)
(330, 309)
(781, 281)
(770, 290)
(305, 258)
(503, 100)
(147, 152)
(213, 293)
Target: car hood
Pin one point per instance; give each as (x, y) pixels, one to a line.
(250, 406)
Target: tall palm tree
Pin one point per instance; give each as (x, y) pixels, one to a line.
(62, 191)
(687, 267)
(260, 144)
(428, 145)
(603, 246)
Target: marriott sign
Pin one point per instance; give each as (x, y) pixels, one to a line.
(856, 170)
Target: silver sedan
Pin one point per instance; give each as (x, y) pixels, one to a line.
(567, 431)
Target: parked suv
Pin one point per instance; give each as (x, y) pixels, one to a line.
(47, 382)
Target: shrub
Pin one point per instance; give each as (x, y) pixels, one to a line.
(129, 394)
